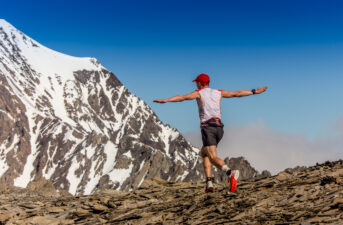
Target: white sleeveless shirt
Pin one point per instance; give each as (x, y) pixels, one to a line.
(209, 104)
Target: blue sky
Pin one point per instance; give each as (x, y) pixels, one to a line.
(156, 48)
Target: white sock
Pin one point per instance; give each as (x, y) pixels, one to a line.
(225, 168)
(209, 184)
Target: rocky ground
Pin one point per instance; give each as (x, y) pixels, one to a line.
(302, 196)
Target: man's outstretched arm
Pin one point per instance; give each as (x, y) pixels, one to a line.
(242, 93)
(180, 98)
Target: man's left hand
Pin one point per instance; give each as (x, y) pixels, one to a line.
(260, 90)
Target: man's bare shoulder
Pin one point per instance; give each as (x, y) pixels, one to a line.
(193, 95)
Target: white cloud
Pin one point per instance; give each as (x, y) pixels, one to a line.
(340, 124)
(267, 149)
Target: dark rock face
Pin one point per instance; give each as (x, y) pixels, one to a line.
(264, 174)
(14, 134)
(244, 167)
(298, 168)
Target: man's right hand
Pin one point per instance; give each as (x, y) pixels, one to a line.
(260, 90)
(160, 101)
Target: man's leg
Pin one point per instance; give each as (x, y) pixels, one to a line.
(207, 163)
(208, 171)
(211, 152)
(211, 136)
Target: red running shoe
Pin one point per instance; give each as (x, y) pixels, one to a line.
(209, 189)
(233, 180)
(209, 184)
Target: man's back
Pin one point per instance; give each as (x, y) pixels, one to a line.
(209, 104)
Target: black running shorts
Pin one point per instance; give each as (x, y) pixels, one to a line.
(211, 135)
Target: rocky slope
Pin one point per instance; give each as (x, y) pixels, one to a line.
(307, 196)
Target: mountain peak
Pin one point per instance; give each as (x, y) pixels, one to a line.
(71, 121)
(43, 59)
(4, 23)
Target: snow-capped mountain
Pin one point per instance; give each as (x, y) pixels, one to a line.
(71, 121)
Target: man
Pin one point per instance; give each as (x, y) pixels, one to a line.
(209, 101)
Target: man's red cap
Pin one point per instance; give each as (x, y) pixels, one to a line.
(203, 79)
